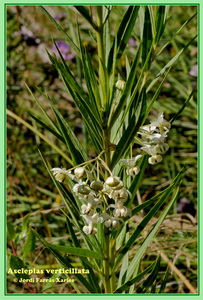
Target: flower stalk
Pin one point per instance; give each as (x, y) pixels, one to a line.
(101, 54)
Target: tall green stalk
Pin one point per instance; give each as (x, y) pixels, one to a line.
(101, 54)
(103, 95)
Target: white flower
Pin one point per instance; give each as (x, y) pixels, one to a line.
(109, 221)
(121, 194)
(103, 217)
(151, 150)
(155, 159)
(71, 176)
(59, 173)
(89, 229)
(161, 123)
(81, 189)
(131, 161)
(162, 147)
(122, 212)
(93, 219)
(85, 209)
(115, 223)
(133, 171)
(79, 172)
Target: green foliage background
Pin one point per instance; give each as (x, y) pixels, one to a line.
(30, 190)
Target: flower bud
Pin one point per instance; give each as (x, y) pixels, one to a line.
(81, 189)
(79, 172)
(107, 223)
(120, 84)
(96, 185)
(115, 223)
(84, 190)
(112, 181)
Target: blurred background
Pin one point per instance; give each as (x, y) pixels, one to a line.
(30, 189)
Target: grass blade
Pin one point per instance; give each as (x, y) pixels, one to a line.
(175, 58)
(47, 127)
(123, 34)
(160, 22)
(57, 149)
(128, 86)
(183, 106)
(128, 283)
(149, 237)
(84, 12)
(151, 278)
(147, 37)
(165, 279)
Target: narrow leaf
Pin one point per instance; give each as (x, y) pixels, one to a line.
(47, 127)
(150, 236)
(165, 279)
(147, 37)
(64, 262)
(77, 251)
(152, 277)
(175, 58)
(128, 283)
(123, 34)
(29, 244)
(84, 12)
(58, 26)
(183, 106)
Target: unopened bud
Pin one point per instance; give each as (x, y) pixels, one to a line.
(79, 172)
(107, 223)
(96, 185)
(120, 84)
(115, 223)
(112, 181)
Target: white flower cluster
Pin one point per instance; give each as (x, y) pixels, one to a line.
(96, 208)
(93, 193)
(96, 194)
(153, 137)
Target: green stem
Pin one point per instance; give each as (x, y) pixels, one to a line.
(101, 54)
(107, 264)
(112, 260)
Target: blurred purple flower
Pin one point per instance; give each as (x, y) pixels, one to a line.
(60, 16)
(29, 37)
(133, 42)
(194, 70)
(64, 49)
